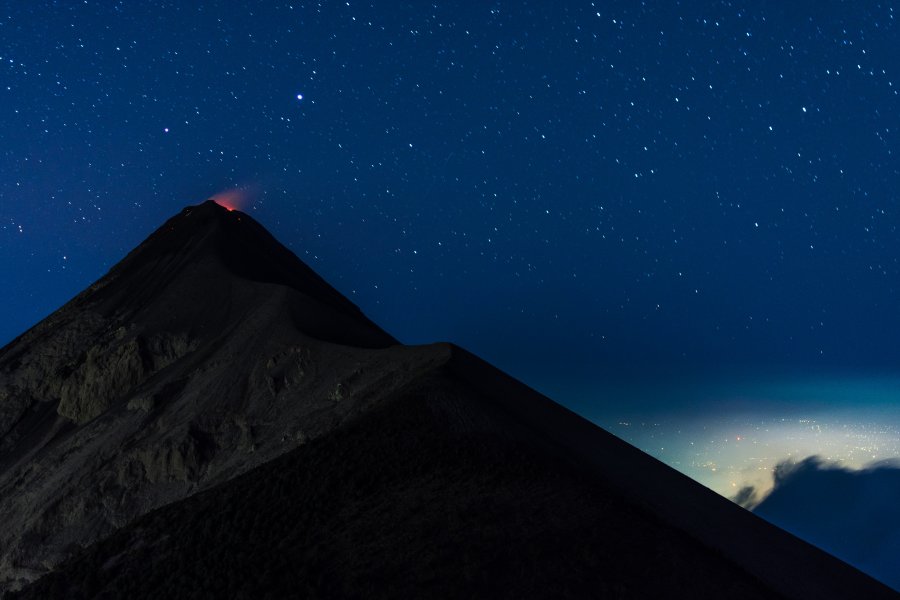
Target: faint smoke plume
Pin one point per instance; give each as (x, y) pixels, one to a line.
(746, 497)
(237, 198)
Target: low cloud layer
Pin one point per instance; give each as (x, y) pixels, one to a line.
(853, 514)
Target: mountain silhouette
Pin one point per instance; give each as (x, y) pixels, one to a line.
(212, 419)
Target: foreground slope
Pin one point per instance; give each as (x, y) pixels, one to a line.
(436, 493)
(460, 483)
(211, 419)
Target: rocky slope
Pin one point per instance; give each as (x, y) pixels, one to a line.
(427, 495)
(211, 419)
(209, 350)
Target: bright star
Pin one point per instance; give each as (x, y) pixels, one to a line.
(299, 96)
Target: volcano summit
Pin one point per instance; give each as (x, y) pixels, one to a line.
(212, 419)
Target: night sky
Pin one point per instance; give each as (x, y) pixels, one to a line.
(666, 186)
(578, 192)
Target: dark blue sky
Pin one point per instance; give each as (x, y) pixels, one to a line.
(617, 185)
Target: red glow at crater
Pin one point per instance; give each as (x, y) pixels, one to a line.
(233, 199)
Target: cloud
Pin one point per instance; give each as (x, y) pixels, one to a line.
(746, 497)
(853, 514)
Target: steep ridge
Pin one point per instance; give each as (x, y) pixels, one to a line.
(188, 269)
(212, 419)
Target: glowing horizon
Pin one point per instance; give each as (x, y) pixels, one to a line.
(728, 434)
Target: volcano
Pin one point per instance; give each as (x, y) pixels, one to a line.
(213, 419)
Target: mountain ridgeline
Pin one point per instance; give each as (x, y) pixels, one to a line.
(213, 419)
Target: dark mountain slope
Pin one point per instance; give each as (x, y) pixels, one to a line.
(462, 483)
(425, 496)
